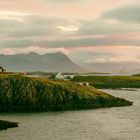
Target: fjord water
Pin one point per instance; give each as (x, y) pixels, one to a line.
(118, 123)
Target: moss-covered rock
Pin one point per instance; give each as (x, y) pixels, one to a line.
(6, 124)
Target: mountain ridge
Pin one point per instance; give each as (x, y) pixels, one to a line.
(51, 62)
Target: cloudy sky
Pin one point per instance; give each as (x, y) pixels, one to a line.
(103, 35)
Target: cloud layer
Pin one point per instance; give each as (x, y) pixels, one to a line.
(71, 26)
(126, 14)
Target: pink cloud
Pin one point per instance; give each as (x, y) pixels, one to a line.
(7, 51)
(36, 49)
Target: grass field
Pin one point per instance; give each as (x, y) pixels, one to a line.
(110, 81)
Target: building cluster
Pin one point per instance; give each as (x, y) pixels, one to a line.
(51, 75)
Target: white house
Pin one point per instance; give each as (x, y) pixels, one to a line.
(59, 76)
(65, 76)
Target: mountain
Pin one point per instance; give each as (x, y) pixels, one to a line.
(52, 62)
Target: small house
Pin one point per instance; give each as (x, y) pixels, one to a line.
(84, 83)
(65, 76)
(60, 76)
(70, 75)
(2, 70)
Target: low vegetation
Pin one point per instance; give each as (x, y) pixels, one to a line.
(110, 81)
(136, 74)
(6, 124)
(19, 93)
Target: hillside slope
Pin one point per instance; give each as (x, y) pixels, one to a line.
(19, 93)
(53, 62)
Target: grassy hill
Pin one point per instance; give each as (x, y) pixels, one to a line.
(19, 93)
(110, 81)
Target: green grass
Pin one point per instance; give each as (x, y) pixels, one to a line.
(136, 75)
(6, 124)
(110, 81)
(19, 93)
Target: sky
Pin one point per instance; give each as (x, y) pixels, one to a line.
(101, 35)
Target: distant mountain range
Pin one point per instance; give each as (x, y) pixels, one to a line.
(52, 62)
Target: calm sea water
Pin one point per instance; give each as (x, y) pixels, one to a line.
(122, 123)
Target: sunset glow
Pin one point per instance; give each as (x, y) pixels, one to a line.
(90, 32)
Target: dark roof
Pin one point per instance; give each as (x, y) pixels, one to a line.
(2, 68)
